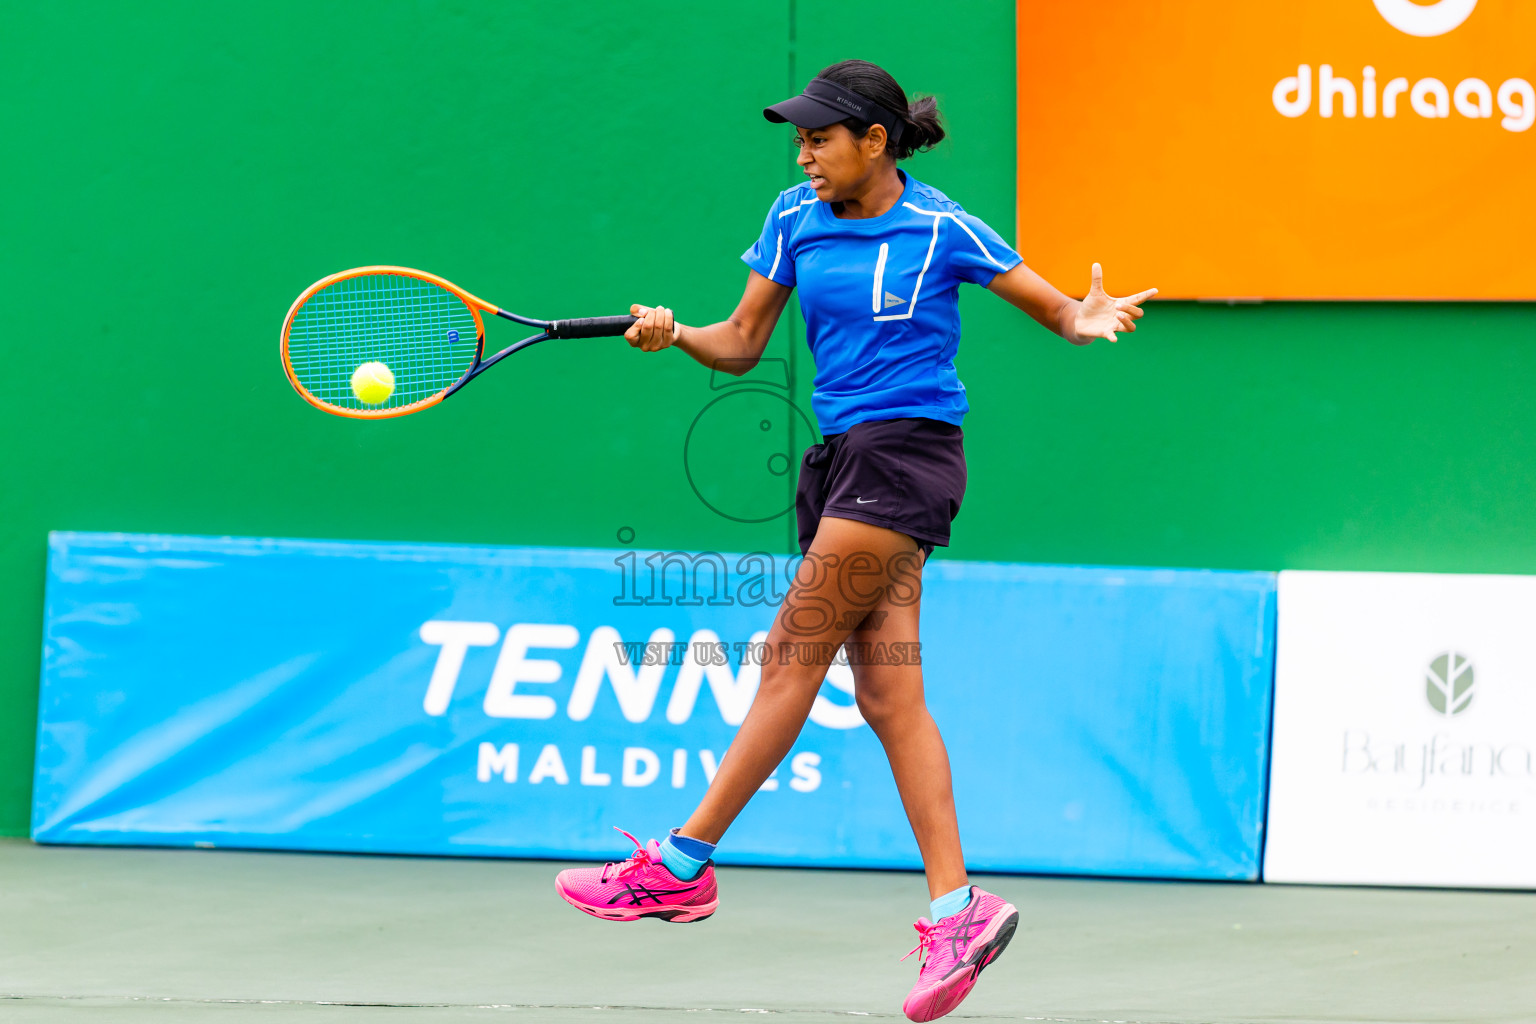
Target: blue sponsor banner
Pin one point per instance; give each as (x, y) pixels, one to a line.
(519, 701)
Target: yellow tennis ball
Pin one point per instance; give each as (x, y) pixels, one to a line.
(373, 383)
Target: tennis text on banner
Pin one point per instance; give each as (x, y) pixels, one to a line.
(609, 660)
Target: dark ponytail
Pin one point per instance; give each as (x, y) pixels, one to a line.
(924, 129)
(921, 129)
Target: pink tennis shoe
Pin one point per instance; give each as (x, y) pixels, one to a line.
(953, 952)
(639, 887)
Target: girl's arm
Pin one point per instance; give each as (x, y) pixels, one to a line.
(1099, 315)
(733, 345)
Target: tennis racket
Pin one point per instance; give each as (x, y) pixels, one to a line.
(375, 342)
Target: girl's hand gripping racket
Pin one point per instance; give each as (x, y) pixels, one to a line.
(375, 342)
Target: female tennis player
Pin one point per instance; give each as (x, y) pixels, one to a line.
(878, 257)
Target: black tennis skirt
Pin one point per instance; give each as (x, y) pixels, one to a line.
(906, 475)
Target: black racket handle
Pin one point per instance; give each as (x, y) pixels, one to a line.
(591, 327)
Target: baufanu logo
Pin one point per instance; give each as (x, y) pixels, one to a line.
(1448, 681)
(1448, 684)
(1428, 97)
(1440, 756)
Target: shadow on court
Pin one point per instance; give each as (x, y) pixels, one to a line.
(190, 936)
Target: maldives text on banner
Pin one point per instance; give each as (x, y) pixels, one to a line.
(1405, 730)
(519, 701)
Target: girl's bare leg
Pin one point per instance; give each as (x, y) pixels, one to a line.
(890, 698)
(850, 568)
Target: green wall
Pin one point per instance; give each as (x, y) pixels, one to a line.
(176, 174)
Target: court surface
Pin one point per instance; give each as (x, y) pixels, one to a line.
(189, 936)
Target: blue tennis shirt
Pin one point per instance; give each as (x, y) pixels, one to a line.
(880, 298)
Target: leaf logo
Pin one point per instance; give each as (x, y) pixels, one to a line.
(1425, 20)
(1448, 684)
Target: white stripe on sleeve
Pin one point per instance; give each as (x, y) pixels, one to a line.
(967, 229)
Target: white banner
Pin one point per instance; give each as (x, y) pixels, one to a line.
(1404, 747)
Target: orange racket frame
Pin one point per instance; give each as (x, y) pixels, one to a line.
(590, 327)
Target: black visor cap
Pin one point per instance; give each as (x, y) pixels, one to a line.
(824, 102)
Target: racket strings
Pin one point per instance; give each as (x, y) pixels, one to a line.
(424, 334)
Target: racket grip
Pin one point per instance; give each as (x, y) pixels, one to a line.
(591, 327)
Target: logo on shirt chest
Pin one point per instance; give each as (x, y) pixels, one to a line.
(898, 279)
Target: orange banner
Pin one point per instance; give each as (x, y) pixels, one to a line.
(1313, 149)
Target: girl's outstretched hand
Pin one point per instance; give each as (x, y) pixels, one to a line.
(654, 331)
(1101, 315)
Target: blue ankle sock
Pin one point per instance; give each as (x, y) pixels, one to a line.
(685, 856)
(950, 903)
